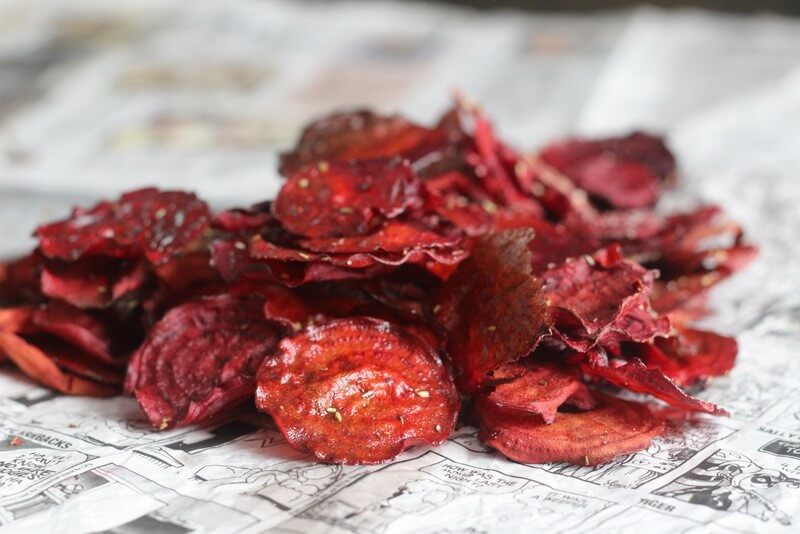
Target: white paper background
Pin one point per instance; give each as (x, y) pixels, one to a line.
(100, 97)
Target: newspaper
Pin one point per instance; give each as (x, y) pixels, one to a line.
(99, 97)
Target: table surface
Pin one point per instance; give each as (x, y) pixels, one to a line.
(97, 97)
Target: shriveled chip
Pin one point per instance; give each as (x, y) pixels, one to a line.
(492, 308)
(92, 281)
(245, 220)
(345, 199)
(532, 388)
(19, 280)
(39, 366)
(392, 236)
(148, 222)
(613, 427)
(358, 391)
(692, 355)
(200, 359)
(635, 376)
(591, 295)
(358, 135)
(75, 327)
(626, 171)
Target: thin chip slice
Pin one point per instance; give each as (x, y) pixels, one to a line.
(492, 308)
(200, 359)
(345, 199)
(39, 366)
(358, 391)
(15, 319)
(357, 135)
(635, 376)
(147, 222)
(532, 388)
(613, 427)
(692, 355)
(92, 281)
(75, 327)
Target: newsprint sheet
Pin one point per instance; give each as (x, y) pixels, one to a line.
(99, 97)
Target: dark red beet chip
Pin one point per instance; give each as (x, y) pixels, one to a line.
(492, 308)
(358, 391)
(42, 367)
(200, 359)
(613, 427)
(359, 135)
(635, 376)
(345, 199)
(692, 355)
(531, 388)
(148, 222)
(92, 281)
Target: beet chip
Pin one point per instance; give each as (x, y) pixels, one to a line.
(358, 391)
(635, 376)
(200, 359)
(358, 135)
(692, 355)
(596, 295)
(625, 172)
(92, 281)
(613, 427)
(492, 308)
(148, 222)
(531, 388)
(343, 199)
(52, 369)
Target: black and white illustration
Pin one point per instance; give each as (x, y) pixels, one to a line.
(730, 481)
(428, 490)
(662, 457)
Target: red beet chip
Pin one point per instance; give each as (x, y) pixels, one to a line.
(692, 355)
(200, 359)
(492, 308)
(358, 391)
(41, 365)
(532, 388)
(19, 280)
(392, 236)
(148, 222)
(612, 428)
(15, 319)
(358, 135)
(625, 172)
(590, 296)
(93, 281)
(245, 220)
(343, 199)
(635, 376)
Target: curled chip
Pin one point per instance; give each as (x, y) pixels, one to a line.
(625, 172)
(359, 135)
(531, 388)
(200, 359)
(358, 391)
(692, 355)
(344, 199)
(75, 327)
(148, 222)
(492, 308)
(43, 366)
(635, 376)
(613, 427)
(592, 295)
(92, 281)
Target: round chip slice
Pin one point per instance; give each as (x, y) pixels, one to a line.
(200, 359)
(358, 391)
(614, 427)
(158, 224)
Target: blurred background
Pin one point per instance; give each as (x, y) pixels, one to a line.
(98, 97)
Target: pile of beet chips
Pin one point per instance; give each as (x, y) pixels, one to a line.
(404, 274)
